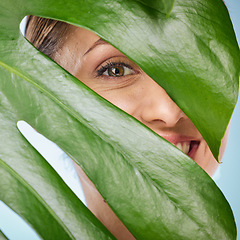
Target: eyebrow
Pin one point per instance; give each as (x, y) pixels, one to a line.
(98, 42)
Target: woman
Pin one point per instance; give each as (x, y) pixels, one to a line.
(119, 80)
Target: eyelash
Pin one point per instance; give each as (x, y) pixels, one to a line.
(111, 65)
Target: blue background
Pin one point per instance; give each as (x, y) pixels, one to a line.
(227, 177)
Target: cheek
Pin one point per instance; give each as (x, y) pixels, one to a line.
(211, 166)
(224, 143)
(206, 160)
(212, 163)
(126, 99)
(125, 95)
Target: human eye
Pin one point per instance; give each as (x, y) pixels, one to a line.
(115, 69)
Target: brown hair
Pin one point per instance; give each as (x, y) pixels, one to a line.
(46, 35)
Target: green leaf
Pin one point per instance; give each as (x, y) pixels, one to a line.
(166, 180)
(33, 189)
(157, 191)
(164, 6)
(198, 69)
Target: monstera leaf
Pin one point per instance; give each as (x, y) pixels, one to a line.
(156, 190)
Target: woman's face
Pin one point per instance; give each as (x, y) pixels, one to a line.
(113, 76)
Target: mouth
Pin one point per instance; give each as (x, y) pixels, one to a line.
(187, 144)
(188, 147)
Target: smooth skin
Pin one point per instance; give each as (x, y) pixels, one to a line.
(112, 75)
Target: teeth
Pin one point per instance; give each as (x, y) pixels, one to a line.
(183, 146)
(179, 146)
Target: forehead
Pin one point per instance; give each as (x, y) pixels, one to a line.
(81, 38)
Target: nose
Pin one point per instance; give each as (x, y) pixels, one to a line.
(157, 108)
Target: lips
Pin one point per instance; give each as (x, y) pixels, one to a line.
(184, 143)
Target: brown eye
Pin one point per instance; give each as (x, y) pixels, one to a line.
(118, 71)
